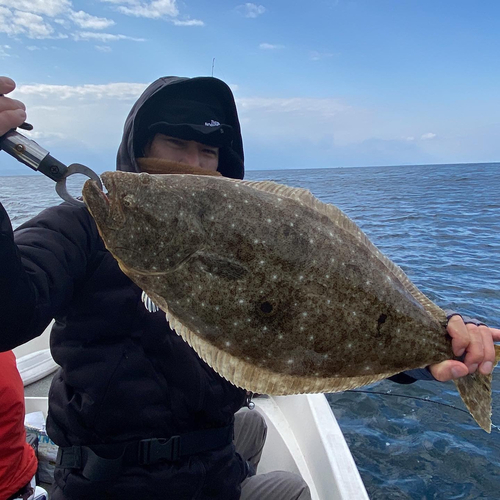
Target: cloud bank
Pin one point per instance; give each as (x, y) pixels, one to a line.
(85, 122)
(56, 19)
(154, 9)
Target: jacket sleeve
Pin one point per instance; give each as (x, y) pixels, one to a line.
(41, 265)
(411, 376)
(467, 319)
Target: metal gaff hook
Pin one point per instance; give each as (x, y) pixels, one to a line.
(75, 168)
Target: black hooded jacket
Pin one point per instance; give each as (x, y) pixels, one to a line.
(124, 376)
(230, 159)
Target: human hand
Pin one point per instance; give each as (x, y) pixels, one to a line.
(477, 344)
(12, 111)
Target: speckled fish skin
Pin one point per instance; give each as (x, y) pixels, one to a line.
(275, 290)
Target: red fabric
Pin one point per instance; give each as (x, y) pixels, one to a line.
(17, 459)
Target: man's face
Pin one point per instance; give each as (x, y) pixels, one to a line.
(191, 153)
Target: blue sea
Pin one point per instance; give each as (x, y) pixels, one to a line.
(441, 224)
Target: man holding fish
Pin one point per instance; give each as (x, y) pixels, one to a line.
(127, 382)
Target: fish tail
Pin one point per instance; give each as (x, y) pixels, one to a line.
(475, 390)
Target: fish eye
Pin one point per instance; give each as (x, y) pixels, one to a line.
(267, 307)
(145, 178)
(128, 200)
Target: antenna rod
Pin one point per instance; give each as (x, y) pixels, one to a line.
(213, 64)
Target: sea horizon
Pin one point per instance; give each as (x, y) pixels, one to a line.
(31, 173)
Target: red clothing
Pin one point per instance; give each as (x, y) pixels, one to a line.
(18, 463)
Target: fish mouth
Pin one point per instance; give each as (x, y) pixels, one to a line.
(108, 182)
(111, 202)
(92, 193)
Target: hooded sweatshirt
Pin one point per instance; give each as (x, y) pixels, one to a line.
(230, 158)
(124, 376)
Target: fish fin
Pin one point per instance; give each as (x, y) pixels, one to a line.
(475, 390)
(305, 197)
(259, 379)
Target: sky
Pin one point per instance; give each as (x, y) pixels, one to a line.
(318, 83)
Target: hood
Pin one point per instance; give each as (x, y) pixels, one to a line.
(231, 159)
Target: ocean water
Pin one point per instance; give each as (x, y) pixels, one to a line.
(441, 224)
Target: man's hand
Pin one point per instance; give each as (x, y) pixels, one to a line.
(12, 112)
(477, 344)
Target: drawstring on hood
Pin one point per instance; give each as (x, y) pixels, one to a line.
(231, 157)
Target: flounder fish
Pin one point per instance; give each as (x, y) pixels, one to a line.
(277, 291)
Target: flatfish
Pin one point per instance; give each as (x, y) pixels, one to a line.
(277, 291)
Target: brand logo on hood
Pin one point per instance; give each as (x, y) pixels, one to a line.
(212, 123)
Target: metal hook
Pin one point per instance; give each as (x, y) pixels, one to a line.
(75, 168)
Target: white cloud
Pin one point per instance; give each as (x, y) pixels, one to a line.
(103, 48)
(15, 23)
(270, 46)
(55, 93)
(189, 22)
(41, 19)
(103, 37)
(319, 121)
(81, 120)
(65, 23)
(94, 115)
(154, 9)
(86, 120)
(49, 8)
(4, 51)
(38, 135)
(324, 107)
(317, 56)
(251, 10)
(428, 136)
(87, 21)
